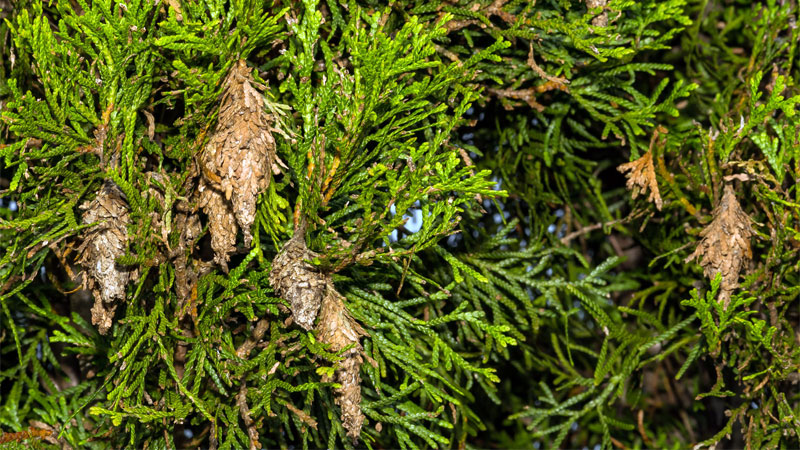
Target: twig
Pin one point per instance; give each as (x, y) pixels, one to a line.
(244, 410)
(212, 438)
(302, 415)
(250, 343)
(526, 95)
(589, 228)
(539, 71)
(642, 431)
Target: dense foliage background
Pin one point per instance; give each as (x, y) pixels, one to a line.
(406, 224)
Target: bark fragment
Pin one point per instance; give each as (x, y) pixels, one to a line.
(297, 281)
(725, 247)
(101, 248)
(641, 177)
(339, 329)
(237, 162)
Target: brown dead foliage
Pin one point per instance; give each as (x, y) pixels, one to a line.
(526, 95)
(641, 177)
(337, 328)
(302, 415)
(725, 247)
(560, 82)
(297, 281)
(237, 161)
(101, 247)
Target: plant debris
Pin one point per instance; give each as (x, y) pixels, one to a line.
(237, 161)
(725, 247)
(101, 248)
(641, 177)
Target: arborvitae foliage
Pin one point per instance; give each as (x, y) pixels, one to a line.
(413, 224)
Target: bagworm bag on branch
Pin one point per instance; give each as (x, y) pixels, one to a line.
(308, 290)
(222, 223)
(337, 328)
(297, 281)
(101, 247)
(600, 20)
(725, 247)
(237, 161)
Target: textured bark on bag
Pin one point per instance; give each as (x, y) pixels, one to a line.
(339, 329)
(600, 20)
(641, 177)
(237, 161)
(222, 223)
(725, 247)
(297, 281)
(101, 247)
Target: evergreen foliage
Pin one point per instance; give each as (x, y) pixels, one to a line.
(472, 224)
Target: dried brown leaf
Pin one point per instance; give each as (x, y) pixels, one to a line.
(239, 158)
(725, 247)
(337, 328)
(641, 177)
(297, 281)
(101, 247)
(176, 5)
(151, 124)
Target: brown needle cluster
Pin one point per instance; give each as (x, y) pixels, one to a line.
(236, 163)
(641, 177)
(101, 247)
(725, 247)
